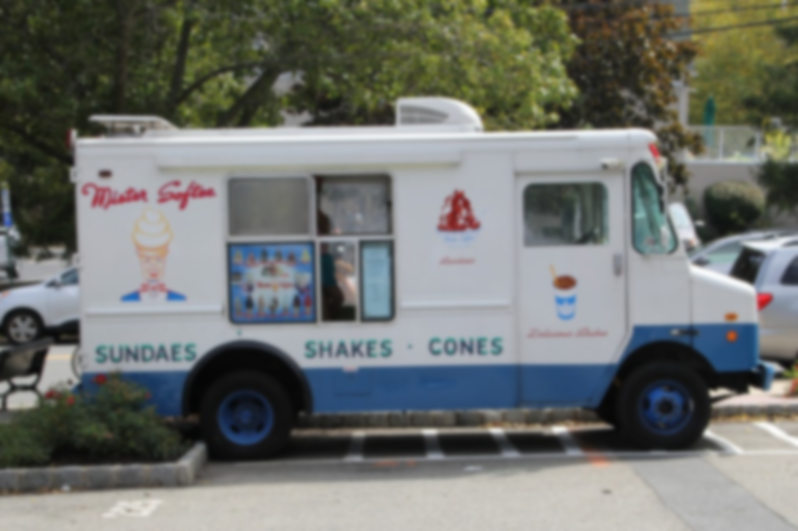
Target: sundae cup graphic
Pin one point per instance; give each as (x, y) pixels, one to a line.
(152, 236)
(564, 295)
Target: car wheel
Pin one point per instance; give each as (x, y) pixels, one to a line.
(23, 326)
(663, 405)
(246, 416)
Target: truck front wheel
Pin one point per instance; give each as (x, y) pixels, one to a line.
(245, 416)
(663, 405)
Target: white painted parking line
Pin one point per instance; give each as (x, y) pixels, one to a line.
(567, 440)
(726, 445)
(506, 447)
(777, 432)
(432, 445)
(133, 508)
(355, 452)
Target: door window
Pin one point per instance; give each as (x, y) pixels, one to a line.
(69, 278)
(565, 214)
(652, 233)
(725, 254)
(790, 277)
(747, 266)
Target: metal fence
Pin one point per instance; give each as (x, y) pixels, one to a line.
(731, 143)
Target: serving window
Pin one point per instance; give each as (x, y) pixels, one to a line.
(345, 273)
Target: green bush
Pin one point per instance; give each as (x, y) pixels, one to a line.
(733, 206)
(112, 424)
(780, 179)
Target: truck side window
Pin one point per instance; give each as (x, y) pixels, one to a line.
(652, 233)
(339, 285)
(353, 205)
(269, 206)
(355, 270)
(565, 214)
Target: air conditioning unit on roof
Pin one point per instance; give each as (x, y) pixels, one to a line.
(436, 111)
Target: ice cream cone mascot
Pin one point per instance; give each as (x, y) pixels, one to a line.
(152, 236)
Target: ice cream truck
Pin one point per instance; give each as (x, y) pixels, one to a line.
(249, 276)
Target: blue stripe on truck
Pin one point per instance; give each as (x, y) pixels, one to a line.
(476, 386)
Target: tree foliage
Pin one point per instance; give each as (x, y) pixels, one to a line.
(214, 63)
(777, 96)
(780, 180)
(732, 63)
(625, 67)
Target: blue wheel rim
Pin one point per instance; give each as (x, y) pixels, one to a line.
(245, 417)
(665, 407)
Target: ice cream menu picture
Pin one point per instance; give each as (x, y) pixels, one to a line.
(272, 283)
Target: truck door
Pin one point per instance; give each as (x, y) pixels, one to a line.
(572, 296)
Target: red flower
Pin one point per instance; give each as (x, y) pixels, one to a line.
(100, 379)
(51, 394)
(148, 396)
(70, 400)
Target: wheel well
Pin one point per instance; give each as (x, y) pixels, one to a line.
(252, 357)
(669, 351)
(22, 309)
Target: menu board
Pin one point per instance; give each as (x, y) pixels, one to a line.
(377, 280)
(271, 283)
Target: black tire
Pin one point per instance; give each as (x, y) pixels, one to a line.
(23, 326)
(246, 416)
(608, 410)
(663, 406)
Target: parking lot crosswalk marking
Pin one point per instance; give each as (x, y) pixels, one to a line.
(726, 445)
(432, 444)
(506, 447)
(355, 452)
(133, 508)
(567, 440)
(777, 432)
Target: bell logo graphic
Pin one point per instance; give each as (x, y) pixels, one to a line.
(457, 223)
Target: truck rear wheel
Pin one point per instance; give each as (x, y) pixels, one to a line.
(663, 405)
(245, 416)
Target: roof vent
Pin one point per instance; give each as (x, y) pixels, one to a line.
(436, 111)
(131, 125)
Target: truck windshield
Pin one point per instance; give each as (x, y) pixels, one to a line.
(746, 268)
(652, 233)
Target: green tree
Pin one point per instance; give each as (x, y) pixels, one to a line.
(625, 67)
(203, 63)
(778, 92)
(731, 63)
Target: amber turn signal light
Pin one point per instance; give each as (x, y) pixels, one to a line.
(731, 336)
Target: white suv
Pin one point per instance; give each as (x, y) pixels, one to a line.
(50, 307)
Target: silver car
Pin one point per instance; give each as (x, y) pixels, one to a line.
(772, 268)
(721, 254)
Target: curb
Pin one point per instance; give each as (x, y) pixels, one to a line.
(537, 417)
(181, 473)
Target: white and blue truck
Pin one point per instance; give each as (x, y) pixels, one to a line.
(250, 275)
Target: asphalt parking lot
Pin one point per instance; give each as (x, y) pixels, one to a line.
(739, 476)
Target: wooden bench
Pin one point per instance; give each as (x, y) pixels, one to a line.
(22, 361)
